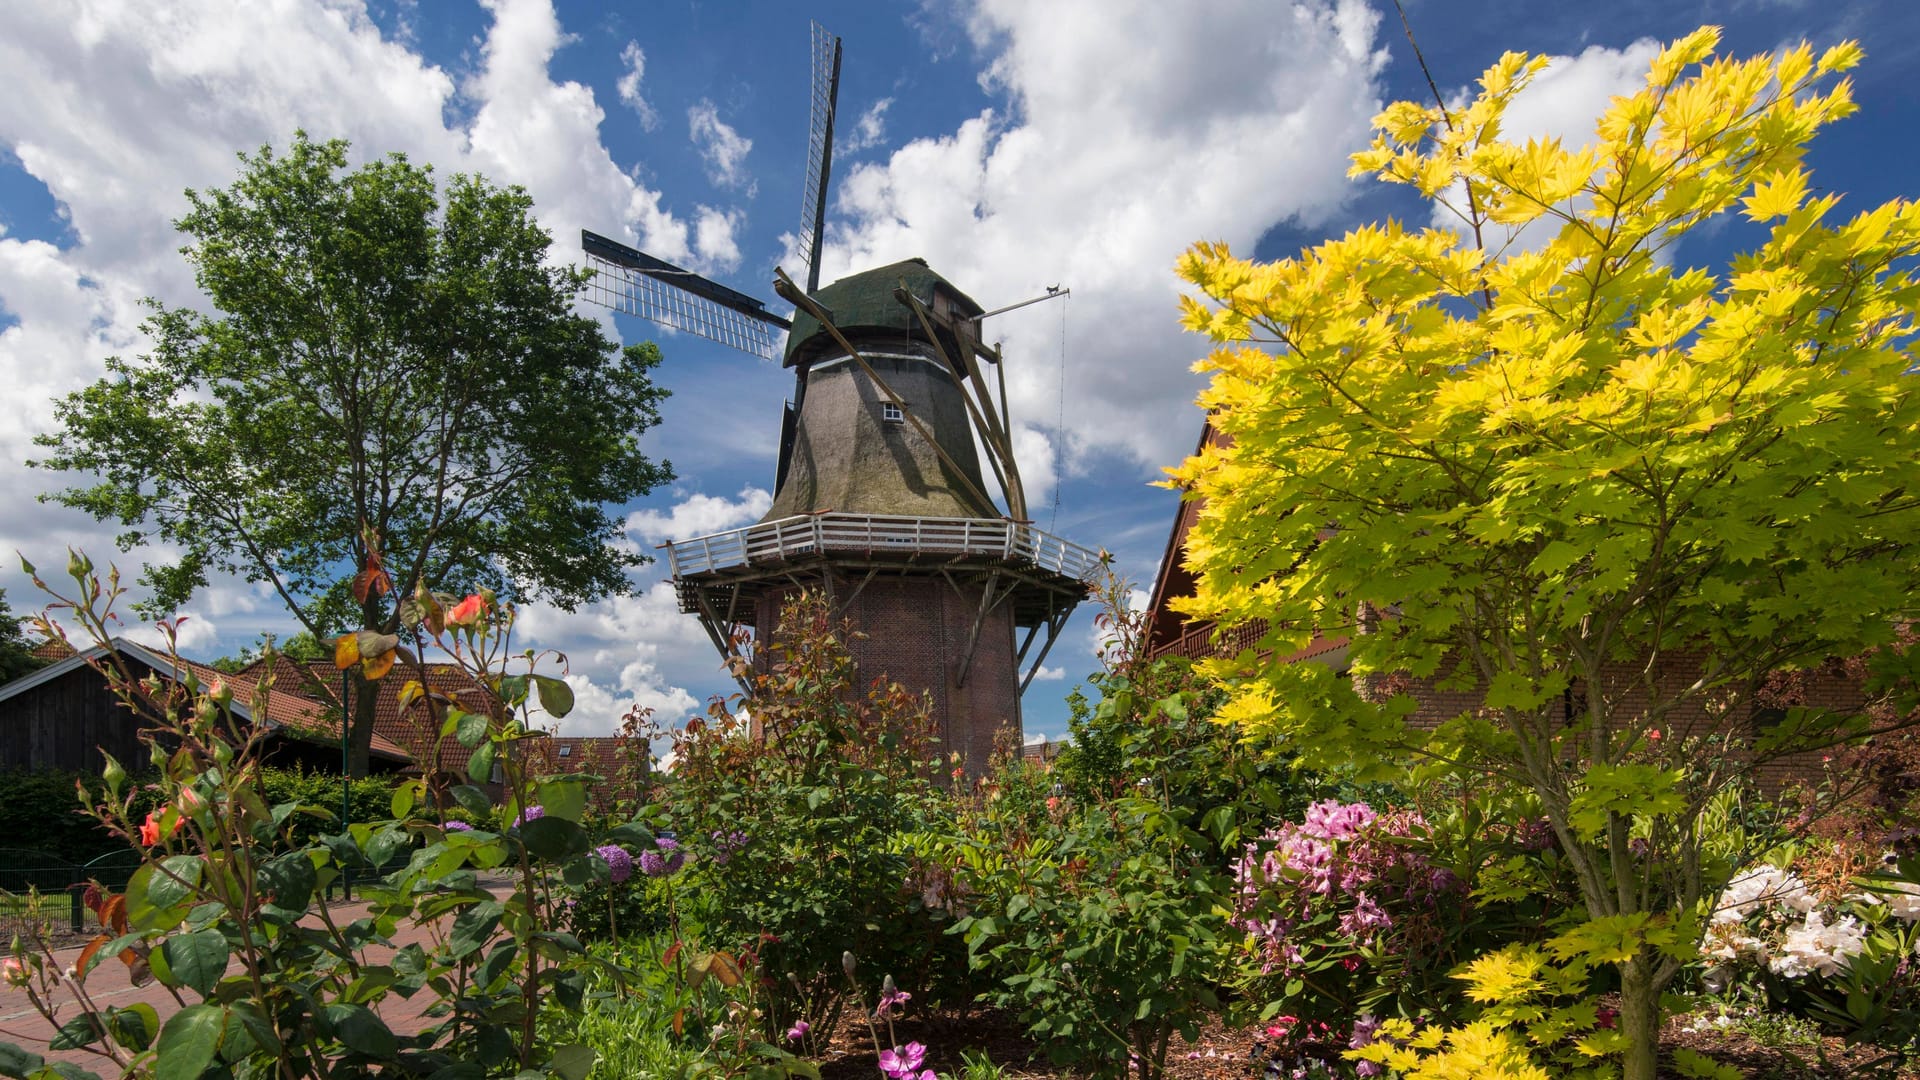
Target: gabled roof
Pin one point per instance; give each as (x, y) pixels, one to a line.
(284, 709)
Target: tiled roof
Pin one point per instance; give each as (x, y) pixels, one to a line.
(51, 650)
(410, 730)
(599, 755)
(288, 710)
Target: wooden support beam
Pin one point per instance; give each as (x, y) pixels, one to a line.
(988, 601)
(993, 433)
(722, 638)
(1054, 623)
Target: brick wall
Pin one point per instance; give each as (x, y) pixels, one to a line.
(916, 635)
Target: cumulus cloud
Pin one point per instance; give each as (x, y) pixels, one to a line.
(869, 130)
(1116, 144)
(715, 239)
(700, 514)
(626, 651)
(117, 109)
(629, 85)
(721, 147)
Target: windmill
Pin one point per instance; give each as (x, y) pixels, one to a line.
(880, 500)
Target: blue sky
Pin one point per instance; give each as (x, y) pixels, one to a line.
(1013, 143)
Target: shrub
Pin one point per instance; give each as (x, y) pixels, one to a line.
(803, 839)
(1099, 925)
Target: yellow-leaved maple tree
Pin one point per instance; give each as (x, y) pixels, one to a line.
(1603, 494)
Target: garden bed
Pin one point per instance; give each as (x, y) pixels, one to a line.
(1761, 1051)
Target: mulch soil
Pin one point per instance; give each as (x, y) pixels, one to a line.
(1219, 1053)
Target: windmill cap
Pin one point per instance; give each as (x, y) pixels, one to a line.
(863, 304)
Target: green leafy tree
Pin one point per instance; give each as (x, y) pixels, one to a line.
(388, 369)
(301, 647)
(16, 654)
(1601, 494)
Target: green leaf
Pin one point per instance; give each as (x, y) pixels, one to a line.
(75, 1033)
(480, 765)
(197, 960)
(632, 833)
(472, 800)
(556, 697)
(403, 797)
(1631, 790)
(135, 1026)
(572, 1061)
(470, 728)
(290, 880)
(155, 900)
(564, 798)
(473, 928)
(189, 1042)
(16, 1062)
(554, 838)
(362, 1031)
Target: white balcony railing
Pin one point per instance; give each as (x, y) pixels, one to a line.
(877, 534)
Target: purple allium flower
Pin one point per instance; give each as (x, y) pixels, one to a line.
(902, 1062)
(458, 826)
(798, 1031)
(725, 844)
(529, 814)
(619, 863)
(665, 858)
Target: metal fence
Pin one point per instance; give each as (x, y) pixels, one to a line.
(813, 534)
(32, 883)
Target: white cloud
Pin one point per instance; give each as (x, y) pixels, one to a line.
(722, 148)
(1050, 674)
(118, 108)
(646, 644)
(869, 130)
(700, 514)
(629, 85)
(715, 239)
(1119, 144)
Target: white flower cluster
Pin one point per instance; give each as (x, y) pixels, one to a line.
(1813, 947)
(1768, 915)
(1765, 886)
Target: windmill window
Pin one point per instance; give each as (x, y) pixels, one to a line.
(892, 413)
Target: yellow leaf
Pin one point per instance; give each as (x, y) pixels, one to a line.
(346, 651)
(373, 668)
(1778, 195)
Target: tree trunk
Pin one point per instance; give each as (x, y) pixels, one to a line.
(1640, 1018)
(365, 696)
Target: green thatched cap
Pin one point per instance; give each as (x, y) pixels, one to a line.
(864, 303)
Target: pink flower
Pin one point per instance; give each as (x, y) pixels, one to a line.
(14, 971)
(902, 1062)
(468, 612)
(798, 1031)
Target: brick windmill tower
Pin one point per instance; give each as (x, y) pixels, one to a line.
(880, 500)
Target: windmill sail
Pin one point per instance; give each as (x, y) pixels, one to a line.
(634, 282)
(826, 94)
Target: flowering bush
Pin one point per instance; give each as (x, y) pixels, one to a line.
(1834, 947)
(1344, 907)
(799, 844)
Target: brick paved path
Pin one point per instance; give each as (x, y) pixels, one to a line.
(112, 984)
